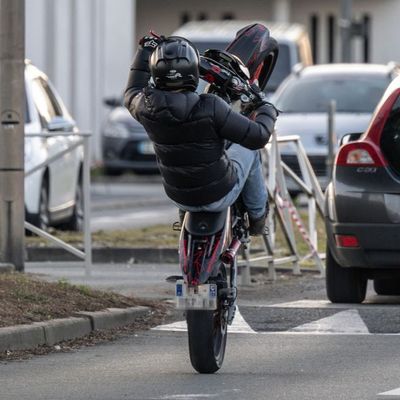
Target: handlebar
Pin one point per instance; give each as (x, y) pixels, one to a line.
(228, 82)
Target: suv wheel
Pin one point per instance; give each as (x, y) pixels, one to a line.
(343, 284)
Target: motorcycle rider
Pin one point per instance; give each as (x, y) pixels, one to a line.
(189, 132)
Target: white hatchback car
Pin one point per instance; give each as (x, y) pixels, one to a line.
(53, 194)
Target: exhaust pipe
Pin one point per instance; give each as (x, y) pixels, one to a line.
(229, 254)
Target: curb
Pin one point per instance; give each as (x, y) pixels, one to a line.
(24, 337)
(104, 255)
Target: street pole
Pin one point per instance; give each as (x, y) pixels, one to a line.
(12, 118)
(345, 23)
(331, 139)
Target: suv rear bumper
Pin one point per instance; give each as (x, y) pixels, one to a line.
(379, 244)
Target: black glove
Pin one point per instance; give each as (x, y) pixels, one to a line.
(150, 42)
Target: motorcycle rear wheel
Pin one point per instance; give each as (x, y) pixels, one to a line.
(207, 333)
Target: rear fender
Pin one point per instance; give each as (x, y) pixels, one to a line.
(199, 254)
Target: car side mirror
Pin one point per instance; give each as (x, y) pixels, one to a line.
(112, 102)
(58, 123)
(350, 137)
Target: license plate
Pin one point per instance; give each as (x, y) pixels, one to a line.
(146, 148)
(201, 297)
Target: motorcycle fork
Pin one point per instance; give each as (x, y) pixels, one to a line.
(233, 292)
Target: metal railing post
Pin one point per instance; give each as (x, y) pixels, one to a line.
(86, 206)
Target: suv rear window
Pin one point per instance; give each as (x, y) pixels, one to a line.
(390, 139)
(353, 94)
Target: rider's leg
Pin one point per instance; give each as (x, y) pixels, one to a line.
(249, 169)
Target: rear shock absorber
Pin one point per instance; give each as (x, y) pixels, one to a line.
(229, 254)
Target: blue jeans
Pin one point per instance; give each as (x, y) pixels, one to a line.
(250, 182)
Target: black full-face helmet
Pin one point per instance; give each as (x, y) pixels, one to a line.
(174, 64)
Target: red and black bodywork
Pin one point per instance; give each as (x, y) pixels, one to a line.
(204, 238)
(250, 58)
(257, 50)
(362, 208)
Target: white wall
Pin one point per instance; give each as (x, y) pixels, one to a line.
(85, 47)
(384, 18)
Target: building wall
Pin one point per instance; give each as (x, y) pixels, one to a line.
(164, 16)
(384, 21)
(85, 47)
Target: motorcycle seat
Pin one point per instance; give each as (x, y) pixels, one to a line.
(205, 223)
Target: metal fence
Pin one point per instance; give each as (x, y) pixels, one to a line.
(283, 212)
(84, 141)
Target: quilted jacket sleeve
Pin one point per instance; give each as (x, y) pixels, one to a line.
(253, 134)
(138, 79)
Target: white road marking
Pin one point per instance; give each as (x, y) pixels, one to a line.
(239, 325)
(308, 304)
(188, 396)
(195, 395)
(391, 394)
(348, 321)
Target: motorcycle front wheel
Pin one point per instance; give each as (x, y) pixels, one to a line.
(207, 333)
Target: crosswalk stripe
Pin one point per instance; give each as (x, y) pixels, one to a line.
(309, 304)
(239, 325)
(348, 322)
(390, 395)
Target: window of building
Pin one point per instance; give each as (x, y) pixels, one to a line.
(314, 22)
(185, 17)
(202, 16)
(367, 33)
(331, 34)
(228, 16)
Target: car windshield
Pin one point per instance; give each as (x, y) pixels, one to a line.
(352, 93)
(281, 70)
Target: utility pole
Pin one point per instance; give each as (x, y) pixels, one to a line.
(12, 120)
(345, 24)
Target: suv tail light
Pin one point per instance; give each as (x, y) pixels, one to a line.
(360, 153)
(346, 241)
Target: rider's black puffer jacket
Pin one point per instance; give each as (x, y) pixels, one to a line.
(189, 131)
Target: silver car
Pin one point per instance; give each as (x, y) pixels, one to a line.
(304, 99)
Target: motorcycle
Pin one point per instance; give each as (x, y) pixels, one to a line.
(210, 242)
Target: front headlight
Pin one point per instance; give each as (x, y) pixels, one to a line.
(116, 130)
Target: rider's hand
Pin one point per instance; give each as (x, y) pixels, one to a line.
(149, 42)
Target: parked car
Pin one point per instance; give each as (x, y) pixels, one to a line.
(53, 194)
(304, 99)
(362, 208)
(125, 144)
